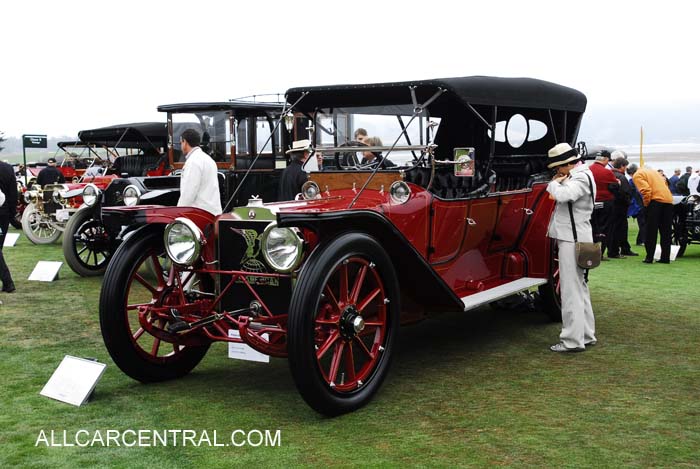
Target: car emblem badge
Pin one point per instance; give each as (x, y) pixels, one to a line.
(249, 260)
(251, 214)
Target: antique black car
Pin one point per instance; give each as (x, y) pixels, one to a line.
(232, 133)
(448, 213)
(686, 222)
(135, 151)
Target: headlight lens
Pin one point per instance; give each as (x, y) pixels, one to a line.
(400, 192)
(183, 241)
(281, 248)
(310, 190)
(28, 197)
(58, 197)
(90, 194)
(132, 195)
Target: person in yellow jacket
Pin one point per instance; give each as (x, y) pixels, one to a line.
(658, 208)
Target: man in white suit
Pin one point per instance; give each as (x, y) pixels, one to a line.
(573, 184)
(199, 186)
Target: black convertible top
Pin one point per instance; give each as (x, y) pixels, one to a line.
(239, 108)
(142, 135)
(515, 92)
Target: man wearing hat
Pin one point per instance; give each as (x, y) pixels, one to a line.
(294, 176)
(572, 186)
(50, 175)
(604, 179)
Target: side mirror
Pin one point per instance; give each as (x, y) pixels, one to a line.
(464, 162)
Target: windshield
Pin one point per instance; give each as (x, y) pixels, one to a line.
(80, 156)
(376, 128)
(214, 129)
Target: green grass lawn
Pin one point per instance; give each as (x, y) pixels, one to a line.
(475, 389)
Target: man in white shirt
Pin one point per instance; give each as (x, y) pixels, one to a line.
(199, 186)
(693, 182)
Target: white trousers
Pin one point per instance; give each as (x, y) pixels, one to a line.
(578, 322)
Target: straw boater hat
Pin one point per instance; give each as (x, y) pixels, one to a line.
(299, 146)
(562, 154)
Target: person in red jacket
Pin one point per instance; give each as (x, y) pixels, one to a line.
(602, 215)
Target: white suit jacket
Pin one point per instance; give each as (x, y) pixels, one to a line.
(199, 186)
(577, 190)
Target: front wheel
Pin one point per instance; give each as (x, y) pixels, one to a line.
(128, 285)
(550, 293)
(343, 324)
(87, 246)
(37, 227)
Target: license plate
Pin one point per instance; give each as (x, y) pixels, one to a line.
(245, 352)
(63, 215)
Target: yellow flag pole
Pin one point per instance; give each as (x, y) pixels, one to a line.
(641, 143)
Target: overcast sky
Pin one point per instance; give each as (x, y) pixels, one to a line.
(70, 65)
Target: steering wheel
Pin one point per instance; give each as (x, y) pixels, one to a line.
(348, 159)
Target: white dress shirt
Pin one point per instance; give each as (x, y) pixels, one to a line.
(199, 186)
(693, 182)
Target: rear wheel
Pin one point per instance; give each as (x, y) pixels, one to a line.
(37, 227)
(550, 293)
(87, 246)
(128, 284)
(679, 235)
(343, 324)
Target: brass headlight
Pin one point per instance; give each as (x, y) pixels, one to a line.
(310, 190)
(281, 248)
(131, 195)
(90, 195)
(399, 192)
(183, 241)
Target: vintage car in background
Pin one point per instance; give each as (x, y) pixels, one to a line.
(448, 213)
(137, 151)
(686, 222)
(45, 210)
(232, 133)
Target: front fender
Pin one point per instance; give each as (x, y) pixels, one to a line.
(123, 220)
(415, 275)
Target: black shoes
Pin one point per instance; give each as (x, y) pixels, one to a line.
(648, 261)
(663, 261)
(619, 256)
(9, 288)
(631, 254)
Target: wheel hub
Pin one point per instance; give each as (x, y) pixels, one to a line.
(351, 322)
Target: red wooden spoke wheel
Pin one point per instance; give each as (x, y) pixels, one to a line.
(350, 324)
(134, 280)
(343, 324)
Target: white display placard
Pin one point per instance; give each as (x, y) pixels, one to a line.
(674, 252)
(10, 239)
(45, 271)
(244, 351)
(74, 380)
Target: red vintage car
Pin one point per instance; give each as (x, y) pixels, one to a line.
(46, 210)
(446, 210)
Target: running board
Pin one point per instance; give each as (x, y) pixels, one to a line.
(501, 291)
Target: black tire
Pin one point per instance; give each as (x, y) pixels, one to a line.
(84, 234)
(117, 329)
(550, 293)
(679, 235)
(305, 336)
(16, 221)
